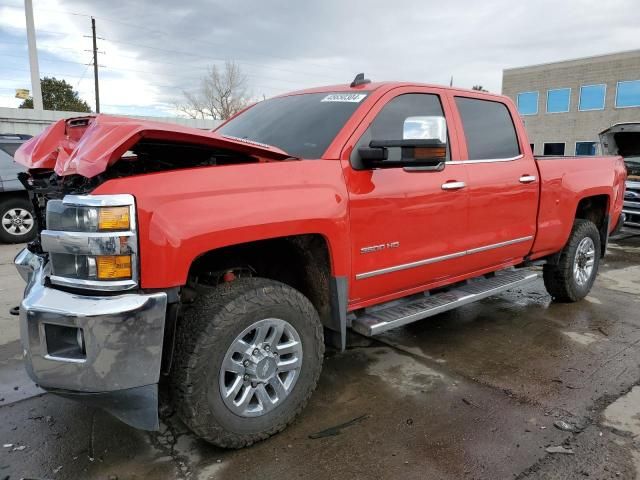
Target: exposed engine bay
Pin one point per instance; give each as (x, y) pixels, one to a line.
(145, 157)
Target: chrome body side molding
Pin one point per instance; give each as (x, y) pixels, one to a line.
(428, 261)
(486, 160)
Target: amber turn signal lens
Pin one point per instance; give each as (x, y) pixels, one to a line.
(113, 218)
(113, 267)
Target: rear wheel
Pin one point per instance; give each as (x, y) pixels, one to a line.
(17, 222)
(572, 278)
(248, 357)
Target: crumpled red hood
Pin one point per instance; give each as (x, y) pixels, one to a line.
(89, 145)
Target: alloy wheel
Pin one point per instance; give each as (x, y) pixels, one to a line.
(17, 221)
(261, 367)
(584, 261)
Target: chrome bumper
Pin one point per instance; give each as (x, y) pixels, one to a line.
(121, 335)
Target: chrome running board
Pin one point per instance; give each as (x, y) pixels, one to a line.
(401, 312)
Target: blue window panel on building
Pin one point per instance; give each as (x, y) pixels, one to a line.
(628, 94)
(558, 100)
(585, 148)
(527, 103)
(592, 97)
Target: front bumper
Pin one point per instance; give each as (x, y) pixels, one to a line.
(122, 336)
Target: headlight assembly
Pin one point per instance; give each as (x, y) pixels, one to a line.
(81, 218)
(92, 242)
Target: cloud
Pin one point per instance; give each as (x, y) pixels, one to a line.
(154, 50)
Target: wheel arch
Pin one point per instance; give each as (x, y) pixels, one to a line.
(595, 208)
(303, 262)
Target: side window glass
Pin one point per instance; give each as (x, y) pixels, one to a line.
(488, 129)
(407, 116)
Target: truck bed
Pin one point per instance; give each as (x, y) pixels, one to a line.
(566, 179)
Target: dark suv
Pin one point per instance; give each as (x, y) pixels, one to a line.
(17, 222)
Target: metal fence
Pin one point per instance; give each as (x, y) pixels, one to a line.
(32, 122)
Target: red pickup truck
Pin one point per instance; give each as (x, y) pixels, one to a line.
(220, 263)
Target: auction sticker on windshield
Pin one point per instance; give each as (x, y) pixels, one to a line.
(344, 97)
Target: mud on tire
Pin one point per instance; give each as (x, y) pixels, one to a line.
(560, 279)
(203, 338)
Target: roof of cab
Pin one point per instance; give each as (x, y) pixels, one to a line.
(383, 86)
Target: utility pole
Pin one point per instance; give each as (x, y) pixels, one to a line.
(36, 92)
(95, 62)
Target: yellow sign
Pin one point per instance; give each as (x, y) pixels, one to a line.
(22, 93)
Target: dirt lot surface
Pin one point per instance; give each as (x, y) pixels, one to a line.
(489, 391)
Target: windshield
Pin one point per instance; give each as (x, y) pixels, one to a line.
(633, 167)
(301, 125)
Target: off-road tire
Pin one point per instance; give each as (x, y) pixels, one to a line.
(9, 203)
(202, 339)
(559, 279)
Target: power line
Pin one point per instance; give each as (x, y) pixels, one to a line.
(44, 74)
(161, 32)
(162, 86)
(171, 75)
(182, 52)
(50, 32)
(42, 45)
(44, 59)
(214, 59)
(105, 19)
(202, 68)
(142, 27)
(83, 74)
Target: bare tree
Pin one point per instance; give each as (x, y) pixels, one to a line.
(222, 93)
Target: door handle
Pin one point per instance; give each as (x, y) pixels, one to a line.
(453, 185)
(527, 179)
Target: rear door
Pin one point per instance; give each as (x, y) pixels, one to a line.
(407, 225)
(503, 183)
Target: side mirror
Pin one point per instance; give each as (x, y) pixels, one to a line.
(425, 128)
(423, 146)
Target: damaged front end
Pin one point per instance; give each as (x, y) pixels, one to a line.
(89, 336)
(89, 329)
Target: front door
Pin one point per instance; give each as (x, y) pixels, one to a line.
(407, 225)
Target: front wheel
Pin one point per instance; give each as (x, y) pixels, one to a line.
(248, 357)
(572, 277)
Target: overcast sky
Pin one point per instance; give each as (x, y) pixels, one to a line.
(155, 49)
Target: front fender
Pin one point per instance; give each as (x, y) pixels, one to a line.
(183, 214)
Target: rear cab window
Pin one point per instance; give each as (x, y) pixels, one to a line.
(488, 128)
